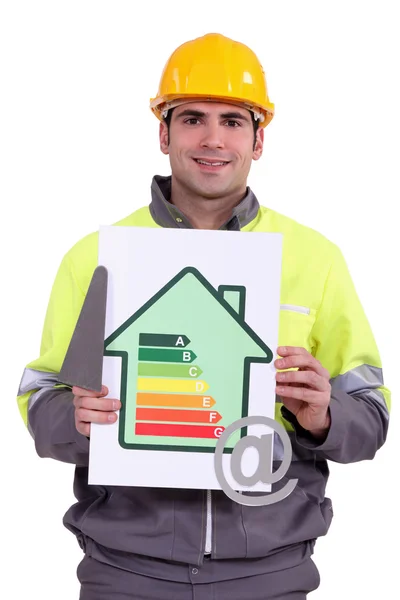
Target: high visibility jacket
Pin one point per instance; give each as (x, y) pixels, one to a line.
(320, 311)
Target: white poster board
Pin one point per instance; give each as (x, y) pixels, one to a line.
(191, 335)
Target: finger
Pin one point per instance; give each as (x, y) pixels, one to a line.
(309, 378)
(299, 393)
(95, 416)
(301, 360)
(287, 350)
(292, 405)
(78, 391)
(102, 404)
(83, 428)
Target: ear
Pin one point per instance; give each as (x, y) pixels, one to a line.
(164, 138)
(259, 145)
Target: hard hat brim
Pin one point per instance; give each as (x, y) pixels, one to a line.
(160, 104)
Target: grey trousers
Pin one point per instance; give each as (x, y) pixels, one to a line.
(100, 581)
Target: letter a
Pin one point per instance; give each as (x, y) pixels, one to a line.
(180, 342)
(263, 446)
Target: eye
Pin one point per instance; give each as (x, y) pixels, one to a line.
(233, 123)
(190, 121)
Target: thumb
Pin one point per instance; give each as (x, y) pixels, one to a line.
(79, 391)
(292, 404)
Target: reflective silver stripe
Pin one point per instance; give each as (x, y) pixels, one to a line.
(300, 309)
(36, 380)
(35, 397)
(363, 381)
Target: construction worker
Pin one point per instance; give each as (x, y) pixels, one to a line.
(175, 544)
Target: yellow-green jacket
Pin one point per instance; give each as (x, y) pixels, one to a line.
(320, 311)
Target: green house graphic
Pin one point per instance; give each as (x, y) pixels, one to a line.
(186, 358)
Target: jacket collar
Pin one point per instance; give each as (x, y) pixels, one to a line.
(166, 214)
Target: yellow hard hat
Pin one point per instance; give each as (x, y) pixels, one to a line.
(214, 67)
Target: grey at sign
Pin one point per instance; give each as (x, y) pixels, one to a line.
(263, 473)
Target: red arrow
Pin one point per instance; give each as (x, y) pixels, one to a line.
(187, 431)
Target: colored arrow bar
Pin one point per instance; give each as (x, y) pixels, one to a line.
(185, 416)
(163, 339)
(187, 431)
(166, 355)
(171, 385)
(168, 370)
(174, 400)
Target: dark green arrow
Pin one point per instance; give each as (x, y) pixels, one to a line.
(163, 339)
(166, 355)
(168, 370)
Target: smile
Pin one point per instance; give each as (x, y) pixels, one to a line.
(212, 165)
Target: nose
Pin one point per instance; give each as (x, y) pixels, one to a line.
(212, 136)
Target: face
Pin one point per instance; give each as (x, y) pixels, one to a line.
(211, 147)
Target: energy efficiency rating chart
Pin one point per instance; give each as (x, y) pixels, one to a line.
(186, 359)
(172, 421)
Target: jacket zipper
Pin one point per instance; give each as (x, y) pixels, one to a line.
(207, 549)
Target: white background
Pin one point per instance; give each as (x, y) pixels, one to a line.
(78, 149)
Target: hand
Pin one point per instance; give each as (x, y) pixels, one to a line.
(306, 392)
(92, 407)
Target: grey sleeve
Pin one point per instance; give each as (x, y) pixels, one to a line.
(359, 426)
(51, 420)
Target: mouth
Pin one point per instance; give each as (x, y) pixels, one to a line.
(211, 165)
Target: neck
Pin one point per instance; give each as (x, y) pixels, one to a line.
(204, 213)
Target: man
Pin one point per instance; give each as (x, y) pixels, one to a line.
(177, 544)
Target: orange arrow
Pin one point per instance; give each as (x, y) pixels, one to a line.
(178, 416)
(184, 400)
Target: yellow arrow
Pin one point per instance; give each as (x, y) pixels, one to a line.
(147, 384)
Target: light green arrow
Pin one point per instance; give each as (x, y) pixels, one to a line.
(166, 370)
